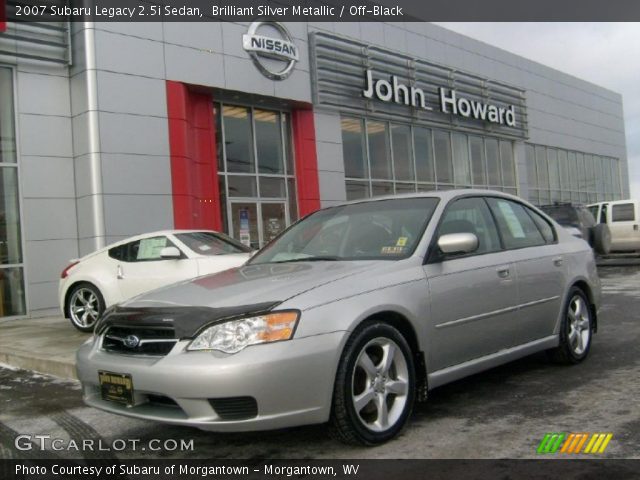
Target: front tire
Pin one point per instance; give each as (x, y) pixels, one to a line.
(375, 388)
(576, 330)
(84, 307)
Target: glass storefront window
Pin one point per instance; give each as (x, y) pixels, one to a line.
(461, 170)
(442, 148)
(507, 163)
(353, 149)
(378, 138)
(271, 187)
(268, 141)
(422, 159)
(542, 167)
(382, 188)
(423, 147)
(12, 297)
(7, 127)
(476, 145)
(238, 139)
(405, 188)
(493, 162)
(257, 192)
(402, 152)
(357, 190)
(242, 186)
(572, 176)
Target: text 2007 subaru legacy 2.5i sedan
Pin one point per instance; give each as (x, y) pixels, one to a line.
(350, 316)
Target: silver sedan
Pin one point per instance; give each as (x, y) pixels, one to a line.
(349, 317)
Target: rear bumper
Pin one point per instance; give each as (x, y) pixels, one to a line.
(291, 382)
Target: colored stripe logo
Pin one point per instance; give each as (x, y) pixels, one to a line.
(593, 443)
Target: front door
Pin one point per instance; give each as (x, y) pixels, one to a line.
(624, 225)
(255, 223)
(473, 296)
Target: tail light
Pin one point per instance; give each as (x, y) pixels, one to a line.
(65, 272)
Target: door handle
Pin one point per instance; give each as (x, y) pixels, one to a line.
(557, 261)
(120, 273)
(503, 272)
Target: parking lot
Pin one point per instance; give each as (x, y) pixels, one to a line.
(502, 413)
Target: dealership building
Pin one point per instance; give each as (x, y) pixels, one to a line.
(115, 129)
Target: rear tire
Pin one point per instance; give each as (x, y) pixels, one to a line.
(375, 387)
(84, 306)
(576, 330)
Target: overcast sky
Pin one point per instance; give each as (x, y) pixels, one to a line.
(607, 54)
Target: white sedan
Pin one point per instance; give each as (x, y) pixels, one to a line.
(139, 264)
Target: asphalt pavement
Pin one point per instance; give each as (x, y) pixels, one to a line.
(502, 413)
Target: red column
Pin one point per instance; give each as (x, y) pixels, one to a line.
(194, 169)
(3, 16)
(304, 142)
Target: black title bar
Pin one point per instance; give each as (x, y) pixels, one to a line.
(321, 10)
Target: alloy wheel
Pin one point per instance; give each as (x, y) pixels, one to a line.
(84, 307)
(380, 384)
(579, 325)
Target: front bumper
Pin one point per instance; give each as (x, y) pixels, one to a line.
(291, 382)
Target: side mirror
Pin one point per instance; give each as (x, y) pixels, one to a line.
(458, 243)
(169, 253)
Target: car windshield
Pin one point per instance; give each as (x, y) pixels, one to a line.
(210, 243)
(378, 230)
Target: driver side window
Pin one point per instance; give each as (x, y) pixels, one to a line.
(145, 250)
(471, 215)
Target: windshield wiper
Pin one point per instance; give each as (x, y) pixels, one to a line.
(320, 258)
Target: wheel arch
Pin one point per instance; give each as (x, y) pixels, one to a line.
(586, 289)
(70, 288)
(401, 323)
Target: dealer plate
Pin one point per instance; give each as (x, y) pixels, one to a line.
(116, 387)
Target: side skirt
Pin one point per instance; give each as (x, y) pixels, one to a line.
(455, 372)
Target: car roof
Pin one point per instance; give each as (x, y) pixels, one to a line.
(133, 238)
(445, 195)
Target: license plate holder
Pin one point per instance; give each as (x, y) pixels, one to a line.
(116, 387)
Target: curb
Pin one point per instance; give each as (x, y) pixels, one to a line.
(47, 366)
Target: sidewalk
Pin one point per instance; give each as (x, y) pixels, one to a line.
(46, 345)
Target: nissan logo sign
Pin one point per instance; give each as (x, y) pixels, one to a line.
(275, 57)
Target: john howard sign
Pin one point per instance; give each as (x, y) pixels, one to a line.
(393, 91)
(362, 79)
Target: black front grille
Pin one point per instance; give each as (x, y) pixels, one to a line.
(235, 408)
(147, 341)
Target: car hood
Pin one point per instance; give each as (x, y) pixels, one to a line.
(265, 283)
(252, 289)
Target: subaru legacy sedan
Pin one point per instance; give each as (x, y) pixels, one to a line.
(349, 317)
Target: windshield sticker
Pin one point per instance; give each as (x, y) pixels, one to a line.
(402, 241)
(392, 250)
(204, 248)
(512, 220)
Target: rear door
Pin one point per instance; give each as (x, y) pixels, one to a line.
(539, 266)
(625, 233)
(471, 295)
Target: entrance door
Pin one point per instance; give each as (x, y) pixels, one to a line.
(255, 223)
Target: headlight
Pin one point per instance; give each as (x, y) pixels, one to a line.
(234, 335)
